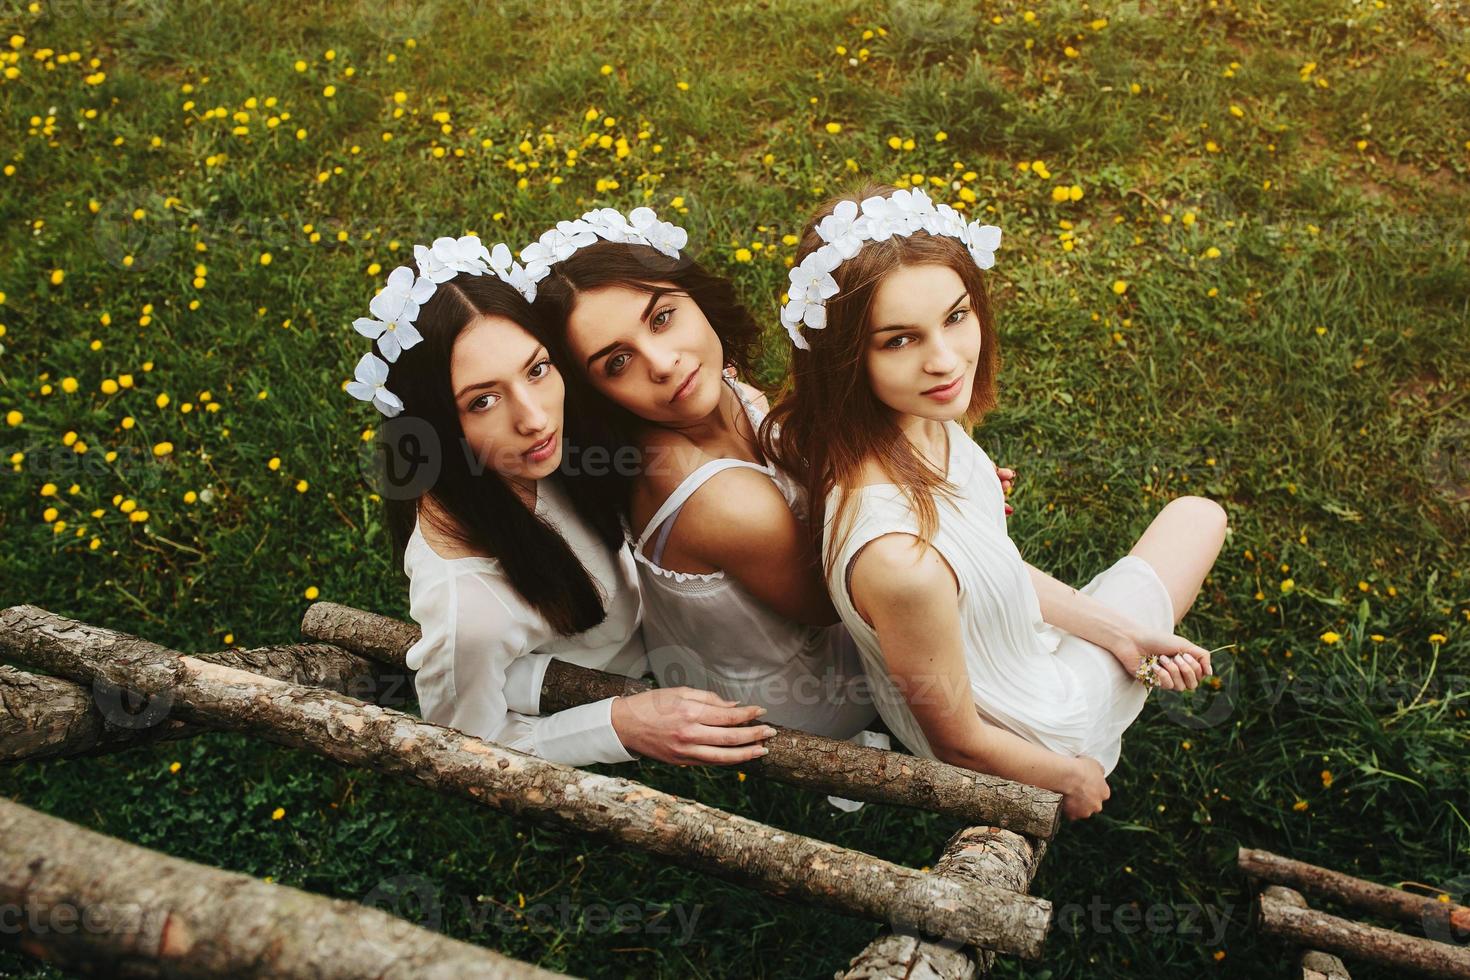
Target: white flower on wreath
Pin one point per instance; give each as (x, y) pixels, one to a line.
(368, 383)
(555, 245)
(609, 224)
(668, 238)
(396, 307)
(982, 241)
(449, 256)
(811, 286)
(503, 264)
(841, 230)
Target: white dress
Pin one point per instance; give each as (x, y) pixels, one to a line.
(485, 650)
(1049, 686)
(706, 630)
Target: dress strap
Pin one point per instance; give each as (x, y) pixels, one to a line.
(686, 488)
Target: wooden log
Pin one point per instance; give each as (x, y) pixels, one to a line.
(1315, 964)
(987, 856)
(51, 717)
(802, 869)
(827, 765)
(1277, 915)
(85, 901)
(1440, 920)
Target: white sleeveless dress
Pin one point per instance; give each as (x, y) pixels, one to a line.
(708, 631)
(1049, 686)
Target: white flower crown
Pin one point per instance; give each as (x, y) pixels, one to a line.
(641, 227)
(396, 307)
(845, 230)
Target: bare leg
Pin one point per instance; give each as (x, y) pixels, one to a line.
(1181, 544)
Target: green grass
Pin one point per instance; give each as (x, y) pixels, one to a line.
(1341, 455)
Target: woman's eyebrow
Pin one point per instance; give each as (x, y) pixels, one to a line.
(491, 384)
(652, 299)
(908, 326)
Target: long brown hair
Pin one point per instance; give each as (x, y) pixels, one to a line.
(830, 421)
(596, 426)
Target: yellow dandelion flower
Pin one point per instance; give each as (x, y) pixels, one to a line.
(1330, 637)
(834, 128)
(312, 592)
(1120, 286)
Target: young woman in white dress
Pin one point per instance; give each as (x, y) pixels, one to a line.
(505, 569)
(733, 596)
(976, 657)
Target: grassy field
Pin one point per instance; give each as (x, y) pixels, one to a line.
(1236, 263)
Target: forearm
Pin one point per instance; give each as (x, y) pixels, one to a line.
(1005, 754)
(1066, 608)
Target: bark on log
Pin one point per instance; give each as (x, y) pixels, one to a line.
(86, 901)
(988, 856)
(827, 765)
(1315, 964)
(1439, 920)
(808, 871)
(51, 717)
(1277, 915)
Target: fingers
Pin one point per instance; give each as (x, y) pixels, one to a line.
(699, 694)
(727, 736)
(723, 717)
(1188, 669)
(708, 755)
(1171, 667)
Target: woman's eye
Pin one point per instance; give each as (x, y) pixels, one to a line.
(958, 315)
(541, 369)
(614, 364)
(480, 404)
(662, 317)
(894, 344)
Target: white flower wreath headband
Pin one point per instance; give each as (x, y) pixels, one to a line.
(396, 307)
(877, 219)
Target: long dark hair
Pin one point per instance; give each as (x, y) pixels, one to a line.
(481, 510)
(829, 420)
(604, 432)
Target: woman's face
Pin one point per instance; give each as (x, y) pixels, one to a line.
(923, 342)
(654, 354)
(509, 398)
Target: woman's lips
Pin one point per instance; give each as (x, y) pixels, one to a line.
(542, 451)
(947, 392)
(687, 388)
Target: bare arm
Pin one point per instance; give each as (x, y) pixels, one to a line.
(739, 522)
(910, 596)
(1066, 608)
(1129, 641)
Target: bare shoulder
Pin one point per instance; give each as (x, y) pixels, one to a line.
(739, 500)
(668, 457)
(896, 569)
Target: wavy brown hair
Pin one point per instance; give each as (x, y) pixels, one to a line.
(830, 421)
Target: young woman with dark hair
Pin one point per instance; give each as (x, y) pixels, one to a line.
(505, 570)
(733, 596)
(976, 657)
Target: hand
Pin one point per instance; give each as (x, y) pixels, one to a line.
(687, 726)
(1181, 663)
(1088, 791)
(1007, 479)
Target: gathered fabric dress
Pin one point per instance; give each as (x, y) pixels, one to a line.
(484, 649)
(1049, 686)
(706, 630)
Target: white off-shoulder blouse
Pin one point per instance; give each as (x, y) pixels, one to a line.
(485, 649)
